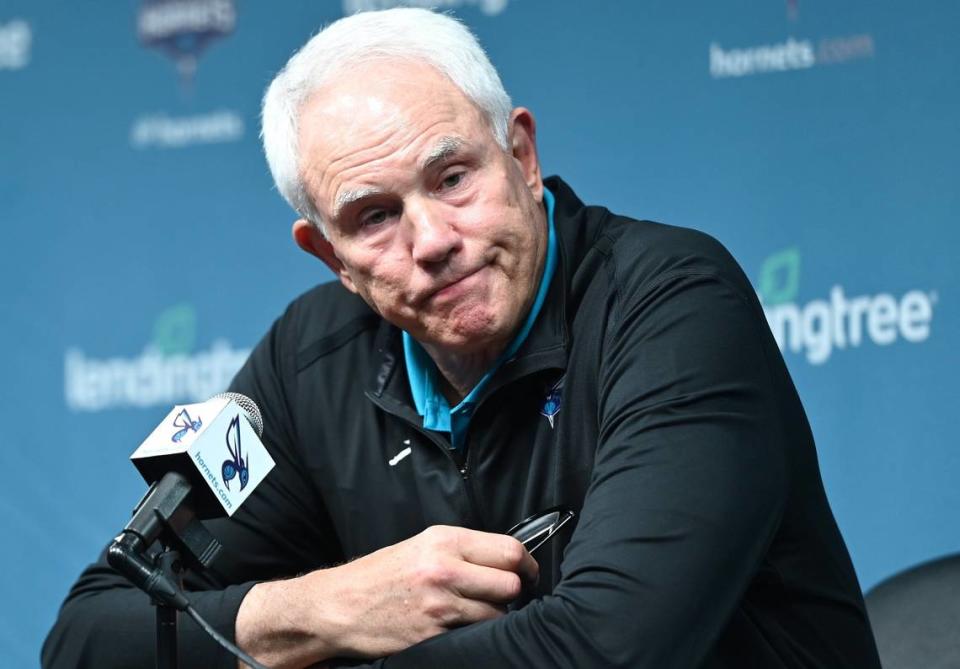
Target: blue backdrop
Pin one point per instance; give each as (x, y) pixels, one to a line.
(145, 249)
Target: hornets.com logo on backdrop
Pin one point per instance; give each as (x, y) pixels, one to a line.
(820, 327)
(168, 371)
(785, 53)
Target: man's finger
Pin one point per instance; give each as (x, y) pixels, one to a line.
(498, 551)
(486, 584)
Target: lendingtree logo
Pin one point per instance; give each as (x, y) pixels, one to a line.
(168, 371)
(175, 330)
(819, 327)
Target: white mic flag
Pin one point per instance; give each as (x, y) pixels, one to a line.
(213, 442)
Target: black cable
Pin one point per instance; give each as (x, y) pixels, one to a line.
(220, 639)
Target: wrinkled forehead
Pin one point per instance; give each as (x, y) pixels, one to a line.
(396, 109)
(384, 88)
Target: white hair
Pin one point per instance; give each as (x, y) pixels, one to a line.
(404, 33)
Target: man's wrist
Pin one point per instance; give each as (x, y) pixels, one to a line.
(280, 623)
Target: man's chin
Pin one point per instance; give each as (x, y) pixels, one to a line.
(467, 337)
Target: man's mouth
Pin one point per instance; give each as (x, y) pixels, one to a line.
(452, 288)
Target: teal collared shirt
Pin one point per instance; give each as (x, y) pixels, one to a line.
(422, 372)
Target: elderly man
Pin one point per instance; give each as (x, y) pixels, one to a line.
(494, 348)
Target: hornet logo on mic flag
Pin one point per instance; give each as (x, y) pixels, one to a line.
(186, 424)
(235, 465)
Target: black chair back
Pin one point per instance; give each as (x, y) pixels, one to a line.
(915, 616)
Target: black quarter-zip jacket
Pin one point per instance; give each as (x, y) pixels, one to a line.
(703, 534)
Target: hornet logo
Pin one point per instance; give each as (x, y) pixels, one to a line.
(236, 465)
(793, 10)
(185, 423)
(183, 29)
(551, 403)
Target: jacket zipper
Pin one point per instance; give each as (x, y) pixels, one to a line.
(468, 485)
(462, 468)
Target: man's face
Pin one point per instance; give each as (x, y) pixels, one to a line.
(438, 228)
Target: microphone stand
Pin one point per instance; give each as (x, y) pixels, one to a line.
(164, 514)
(168, 616)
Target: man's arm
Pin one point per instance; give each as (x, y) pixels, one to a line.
(384, 602)
(443, 578)
(369, 607)
(686, 494)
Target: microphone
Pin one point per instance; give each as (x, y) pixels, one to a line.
(202, 461)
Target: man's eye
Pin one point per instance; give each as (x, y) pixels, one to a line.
(452, 180)
(375, 217)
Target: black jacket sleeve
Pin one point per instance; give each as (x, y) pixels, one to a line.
(279, 531)
(685, 496)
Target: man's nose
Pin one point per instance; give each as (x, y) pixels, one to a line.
(433, 237)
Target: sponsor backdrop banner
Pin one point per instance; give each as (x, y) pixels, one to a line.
(145, 250)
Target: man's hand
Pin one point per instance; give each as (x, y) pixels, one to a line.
(384, 602)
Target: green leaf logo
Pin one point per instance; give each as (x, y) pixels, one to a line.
(175, 330)
(780, 277)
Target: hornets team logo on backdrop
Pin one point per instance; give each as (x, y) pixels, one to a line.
(236, 466)
(183, 29)
(185, 423)
(551, 403)
(793, 10)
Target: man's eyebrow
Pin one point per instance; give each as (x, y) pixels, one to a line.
(348, 197)
(444, 149)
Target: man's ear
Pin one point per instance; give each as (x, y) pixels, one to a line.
(523, 146)
(311, 240)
